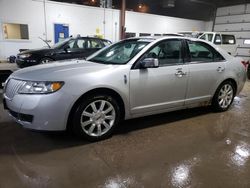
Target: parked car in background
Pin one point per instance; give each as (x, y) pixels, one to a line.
(225, 41)
(132, 78)
(80, 47)
(193, 34)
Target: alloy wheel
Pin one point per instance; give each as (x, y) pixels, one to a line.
(225, 96)
(98, 118)
(45, 61)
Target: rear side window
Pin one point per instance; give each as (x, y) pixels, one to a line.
(228, 39)
(210, 37)
(217, 39)
(106, 42)
(94, 43)
(202, 52)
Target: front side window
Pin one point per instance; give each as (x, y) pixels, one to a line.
(77, 44)
(202, 52)
(203, 37)
(120, 53)
(81, 43)
(167, 52)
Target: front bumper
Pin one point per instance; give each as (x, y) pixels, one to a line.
(40, 112)
(21, 63)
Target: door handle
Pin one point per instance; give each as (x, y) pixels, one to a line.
(220, 69)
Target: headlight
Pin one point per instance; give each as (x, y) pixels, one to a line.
(40, 87)
(24, 55)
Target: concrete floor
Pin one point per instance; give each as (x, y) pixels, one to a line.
(8, 66)
(190, 148)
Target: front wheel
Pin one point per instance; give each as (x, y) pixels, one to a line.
(96, 117)
(46, 60)
(224, 97)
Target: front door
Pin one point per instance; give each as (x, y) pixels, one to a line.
(75, 48)
(156, 89)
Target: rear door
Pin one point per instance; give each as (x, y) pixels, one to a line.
(206, 71)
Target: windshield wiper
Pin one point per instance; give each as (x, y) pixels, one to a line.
(98, 61)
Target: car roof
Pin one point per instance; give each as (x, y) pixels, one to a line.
(87, 37)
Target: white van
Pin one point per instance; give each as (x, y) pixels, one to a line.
(225, 41)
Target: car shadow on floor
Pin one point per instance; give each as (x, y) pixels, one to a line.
(160, 119)
(13, 138)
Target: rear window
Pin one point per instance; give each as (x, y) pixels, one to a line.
(228, 39)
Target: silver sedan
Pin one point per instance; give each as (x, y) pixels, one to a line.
(132, 78)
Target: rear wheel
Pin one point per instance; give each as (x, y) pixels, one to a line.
(224, 96)
(96, 117)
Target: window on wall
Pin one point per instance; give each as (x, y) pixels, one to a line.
(247, 41)
(144, 34)
(129, 35)
(15, 31)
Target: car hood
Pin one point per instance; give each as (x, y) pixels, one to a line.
(38, 50)
(60, 71)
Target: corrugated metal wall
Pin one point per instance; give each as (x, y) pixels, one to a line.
(235, 20)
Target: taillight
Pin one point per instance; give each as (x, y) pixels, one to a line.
(245, 63)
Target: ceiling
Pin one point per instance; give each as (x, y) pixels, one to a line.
(191, 9)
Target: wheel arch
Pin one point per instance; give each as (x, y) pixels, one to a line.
(233, 81)
(46, 56)
(92, 92)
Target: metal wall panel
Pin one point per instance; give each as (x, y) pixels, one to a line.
(237, 27)
(239, 9)
(235, 20)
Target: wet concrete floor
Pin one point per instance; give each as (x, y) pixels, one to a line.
(190, 148)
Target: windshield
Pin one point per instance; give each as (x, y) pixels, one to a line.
(121, 52)
(59, 44)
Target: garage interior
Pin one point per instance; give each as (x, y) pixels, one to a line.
(187, 148)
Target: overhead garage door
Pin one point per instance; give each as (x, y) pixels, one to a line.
(236, 20)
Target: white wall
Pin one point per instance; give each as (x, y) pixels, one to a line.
(209, 25)
(82, 20)
(154, 24)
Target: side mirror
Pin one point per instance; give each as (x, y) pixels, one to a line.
(65, 48)
(149, 63)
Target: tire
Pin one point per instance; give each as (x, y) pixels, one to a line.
(224, 96)
(96, 117)
(45, 60)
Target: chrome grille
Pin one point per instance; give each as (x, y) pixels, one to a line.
(12, 87)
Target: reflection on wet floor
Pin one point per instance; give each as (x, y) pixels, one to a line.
(189, 148)
(241, 154)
